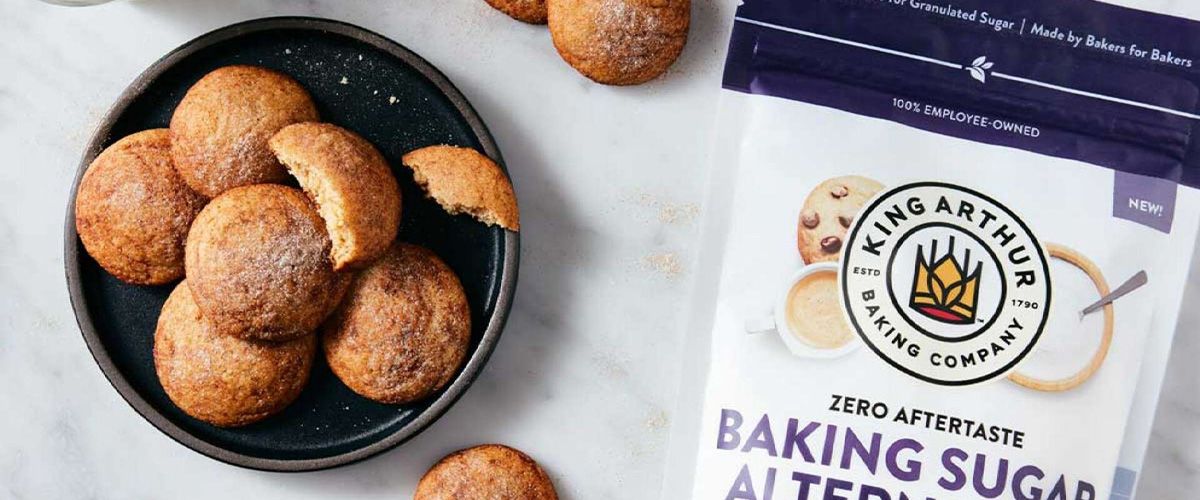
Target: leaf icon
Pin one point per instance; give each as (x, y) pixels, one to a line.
(988, 65)
(979, 61)
(977, 74)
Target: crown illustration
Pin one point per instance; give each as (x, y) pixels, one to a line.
(944, 290)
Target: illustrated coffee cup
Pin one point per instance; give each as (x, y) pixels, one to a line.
(808, 316)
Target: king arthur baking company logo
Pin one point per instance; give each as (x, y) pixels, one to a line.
(944, 283)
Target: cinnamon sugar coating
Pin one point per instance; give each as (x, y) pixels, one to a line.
(403, 330)
(133, 211)
(528, 11)
(463, 180)
(491, 471)
(619, 42)
(220, 129)
(221, 379)
(351, 183)
(257, 261)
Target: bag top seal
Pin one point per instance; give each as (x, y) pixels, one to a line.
(1075, 79)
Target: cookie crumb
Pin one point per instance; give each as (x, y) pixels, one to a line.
(344, 81)
(677, 213)
(392, 99)
(668, 212)
(657, 421)
(360, 57)
(666, 264)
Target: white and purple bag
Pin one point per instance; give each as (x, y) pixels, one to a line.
(916, 210)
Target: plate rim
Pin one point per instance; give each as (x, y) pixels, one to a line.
(79, 304)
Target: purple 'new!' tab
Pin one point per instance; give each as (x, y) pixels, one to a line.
(1148, 201)
(1076, 79)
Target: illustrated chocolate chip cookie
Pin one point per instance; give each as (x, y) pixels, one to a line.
(828, 213)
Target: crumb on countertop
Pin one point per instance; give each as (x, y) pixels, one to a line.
(658, 420)
(668, 212)
(666, 264)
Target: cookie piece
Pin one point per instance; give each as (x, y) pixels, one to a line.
(402, 332)
(132, 210)
(619, 42)
(257, 261)
(529, 11)
(491, 471)
(352, 184)
(828, 213)
(221, 379)
(464, 180)
(220, 129)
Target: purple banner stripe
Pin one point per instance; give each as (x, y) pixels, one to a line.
(954, 77)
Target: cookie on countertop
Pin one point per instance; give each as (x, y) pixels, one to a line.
(828, 213)
(490, 471)
(403, 329)
(463, 180)
(529, 11)
(257, 260)
(132, 210)
(351, 183)
(220, 129)
(221, 379)
(619, 42)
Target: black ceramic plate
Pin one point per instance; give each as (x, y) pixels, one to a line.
(398, 101)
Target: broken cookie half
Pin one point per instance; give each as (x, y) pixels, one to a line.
(463, 180)
(352, 185)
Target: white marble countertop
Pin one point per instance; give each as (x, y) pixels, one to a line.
(610, 182)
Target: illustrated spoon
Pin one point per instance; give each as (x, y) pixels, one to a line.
(1129, 285)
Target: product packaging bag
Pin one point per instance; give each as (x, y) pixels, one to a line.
(916, 209)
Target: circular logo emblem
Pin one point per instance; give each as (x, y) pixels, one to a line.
(944, 283)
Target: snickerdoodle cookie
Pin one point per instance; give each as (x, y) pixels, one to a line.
(490, 471)
(463, 180)
(403, 330)
(619, 42)
(221, 379)
(828, 213)
(258, 265)
(352, 184)
(220, 129)
(132, 210)
(529, 11)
